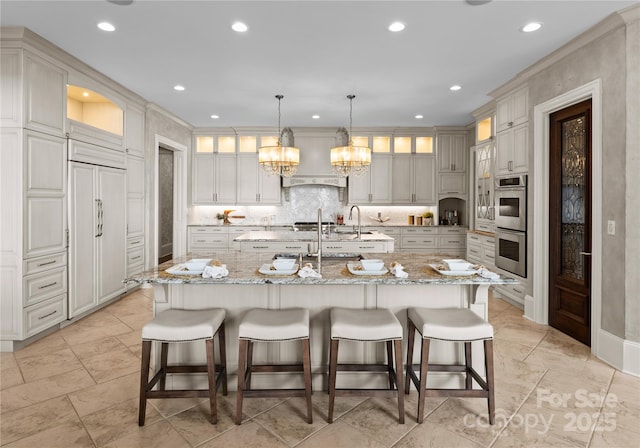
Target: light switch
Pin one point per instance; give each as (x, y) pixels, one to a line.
(611, 227)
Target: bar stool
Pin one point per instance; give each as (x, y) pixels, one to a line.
(263, 325)
(450, 324)
(373, 325)
(183, 326)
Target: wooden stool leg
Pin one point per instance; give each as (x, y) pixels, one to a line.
(467, 362)
(411, 334)
(390, 360)
(488, 365)
(164, 351)
(223, 357)
(242, 354)
(398, 375)
(144, 380)
(306, 361)
(249, 363)
(333, 368)
(211, 373)
(424, 368)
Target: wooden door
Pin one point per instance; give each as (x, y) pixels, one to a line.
(570, 221)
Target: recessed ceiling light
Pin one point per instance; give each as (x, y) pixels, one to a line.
(533, 26)
(178, 87)
(455, 88)
(396, 26)
(419, 117)
(215, 117)
(239, 27)
(85, 94)
(315, 117)
(106, 26)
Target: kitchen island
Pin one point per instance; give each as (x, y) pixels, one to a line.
(246, 288)
(306, 241)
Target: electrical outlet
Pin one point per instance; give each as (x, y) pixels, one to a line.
(611, 227)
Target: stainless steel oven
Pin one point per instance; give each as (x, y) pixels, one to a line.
(511, 251)
(511, 203)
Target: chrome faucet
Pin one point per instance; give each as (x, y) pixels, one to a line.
(359, 223)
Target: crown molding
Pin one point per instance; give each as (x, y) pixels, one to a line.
(153, 107)
(607, 25)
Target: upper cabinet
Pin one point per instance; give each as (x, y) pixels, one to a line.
(374, 186)
(452, 163)
(134, 131)
(254, 185)
(414, 179)
(512, 110)
(512, 141)
(213, 170)
(33, 92)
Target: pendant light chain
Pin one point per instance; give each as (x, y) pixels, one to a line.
(279, 97)
(351, 97)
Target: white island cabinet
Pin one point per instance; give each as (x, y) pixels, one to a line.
(245, 288)
(307, 242)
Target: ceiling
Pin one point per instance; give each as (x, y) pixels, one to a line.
(314, 53)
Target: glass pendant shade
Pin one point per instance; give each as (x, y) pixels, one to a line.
(347, 159)
(280, 160)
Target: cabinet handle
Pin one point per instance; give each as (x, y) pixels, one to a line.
(48, 286)
(47, 315)
(370, 197)
(135, 258)
(260, 247)
(135, 242)
(46, 263)
(366, 247)
(292, 247)
(201, 241)
(97, 218)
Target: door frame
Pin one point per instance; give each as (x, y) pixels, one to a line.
(179, 196)
(539, 311)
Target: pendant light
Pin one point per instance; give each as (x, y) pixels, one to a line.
(350, 159)
(279, 159)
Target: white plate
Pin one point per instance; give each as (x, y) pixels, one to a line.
(181, 269)
(454, 273)
(357, 269)
(266, 270)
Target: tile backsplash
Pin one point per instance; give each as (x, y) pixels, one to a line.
(302, 205)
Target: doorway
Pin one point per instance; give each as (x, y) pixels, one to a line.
(570, 220)
(165, 205)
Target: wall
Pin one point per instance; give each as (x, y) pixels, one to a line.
(604, 58)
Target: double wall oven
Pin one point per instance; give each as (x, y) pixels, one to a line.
(511, 224)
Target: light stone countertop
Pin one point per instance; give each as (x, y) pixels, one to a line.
(263, 235)
(243, 269)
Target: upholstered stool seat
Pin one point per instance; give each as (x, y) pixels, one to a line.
(265, 325)
(173, 326)
(373, 325)
(457, 325)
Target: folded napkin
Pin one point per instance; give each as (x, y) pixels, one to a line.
(307, 271)
(215, 271)
(482, 272)
(398, 270)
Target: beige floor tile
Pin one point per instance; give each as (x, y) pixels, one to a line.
(41, 366)
(49, 344)
(33, 419)
(247, 435)
(67, 435)
(468, 418)
(44, 389)
(8, 360)
(194, 424)
(113, 364)
(172, 406)
(131, 338)
(104, 395)
(586, 393)
(10, 377)
(525, 336)
(288, 420)
(571, 366)
(378, 418)
(75, 335)
(558, 342)
(97, 347)
(626, 388)
(136, 350)
(429, 435)
(511, 371)
(252, 406)
(505, 348)
(620, 438)
(115, 422)
(340, 435)
(157, 435)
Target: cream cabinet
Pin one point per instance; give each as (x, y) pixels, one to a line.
(484, 187)
(203, 239)
(134, 130)
(481, 249)
(512, 151)
(413, 180)
(254, 185)
(452, 153)
(214, 179)
(374, 186)
(135, 214)
(512, 110)
(98, 240)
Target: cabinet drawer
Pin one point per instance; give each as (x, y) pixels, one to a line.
(265, 246)
(416, 241)
(475, 251)
(485, 226)
(452, 231)
(204, 241)
(207, 229)
(454, 241)
(44, 263)
(419, 231)
(135, 256)
(473, 238)
(135, 242)
(489, 256)
(354, 247)
(43, 286)
(45, 314)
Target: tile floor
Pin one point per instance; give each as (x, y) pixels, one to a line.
(79, 387)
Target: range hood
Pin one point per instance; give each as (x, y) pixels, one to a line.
(315, 163)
